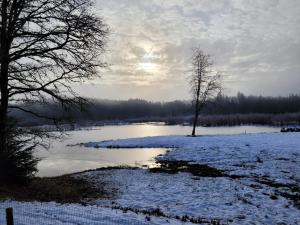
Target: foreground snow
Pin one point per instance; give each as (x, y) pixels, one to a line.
(267, 169)
(70, 214)
(222, 199)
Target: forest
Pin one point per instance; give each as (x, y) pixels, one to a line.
(222, 110)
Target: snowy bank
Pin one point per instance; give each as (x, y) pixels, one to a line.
(276, 155)
(265, 189)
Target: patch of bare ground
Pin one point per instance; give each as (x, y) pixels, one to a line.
(62, 189)
(158, 213)
(109, 168)
(200, 170)
(286, 190)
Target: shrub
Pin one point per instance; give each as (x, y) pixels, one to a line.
(17, 162)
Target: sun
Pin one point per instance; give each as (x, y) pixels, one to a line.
(147, 63)
(148, 67)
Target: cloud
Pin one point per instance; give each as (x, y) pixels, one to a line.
(256, 44)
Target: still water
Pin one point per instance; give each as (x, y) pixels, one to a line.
(62, 158)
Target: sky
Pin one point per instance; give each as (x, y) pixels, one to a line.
(255, 44)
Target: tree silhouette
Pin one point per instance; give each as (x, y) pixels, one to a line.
(45, 46)
(204, 83)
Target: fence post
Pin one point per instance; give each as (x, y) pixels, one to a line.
(9, 216)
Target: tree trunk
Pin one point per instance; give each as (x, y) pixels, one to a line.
(195, 118)
(196, 111)
(4, 106)
(197, 102)
(4, 60)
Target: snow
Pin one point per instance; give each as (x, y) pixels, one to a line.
(228, 200)
(272, 157)
(70, 214)
(276, 155)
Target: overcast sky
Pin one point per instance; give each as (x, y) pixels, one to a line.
(254, 43)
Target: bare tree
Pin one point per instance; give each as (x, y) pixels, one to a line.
(205, 84)
(45, 46)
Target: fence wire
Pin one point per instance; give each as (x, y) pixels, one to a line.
(69, 214)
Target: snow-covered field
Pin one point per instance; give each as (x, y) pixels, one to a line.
(224, 199)
(35, 213)
(260, 184)
(275, 155)
(268, 166)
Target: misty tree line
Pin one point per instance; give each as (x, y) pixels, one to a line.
(223, 110)
(255, 104)
(99, 110)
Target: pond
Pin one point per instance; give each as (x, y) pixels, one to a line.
(63, 158)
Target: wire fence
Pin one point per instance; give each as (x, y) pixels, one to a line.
(52, 213)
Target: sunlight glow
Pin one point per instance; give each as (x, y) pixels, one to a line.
(148, 62)
(148, 67)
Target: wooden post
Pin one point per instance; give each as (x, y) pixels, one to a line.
(9, 216)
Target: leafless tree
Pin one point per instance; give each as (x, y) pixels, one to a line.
(205, 84)
(45, 46)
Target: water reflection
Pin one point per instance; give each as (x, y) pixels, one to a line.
(76, 160)
(61, 159)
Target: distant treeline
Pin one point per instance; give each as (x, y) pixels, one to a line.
(105, 110)
(223, 110)
(255, 104)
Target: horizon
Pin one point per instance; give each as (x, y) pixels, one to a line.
(255, 46)
(188, 100)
